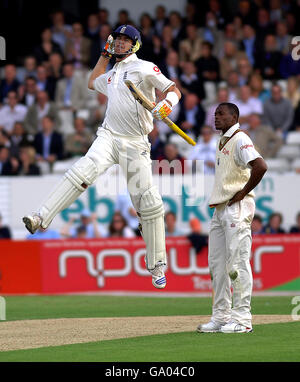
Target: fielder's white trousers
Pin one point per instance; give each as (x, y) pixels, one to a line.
(229, 261)
(133, 156)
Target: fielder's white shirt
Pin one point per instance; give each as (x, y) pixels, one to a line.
(124, 115)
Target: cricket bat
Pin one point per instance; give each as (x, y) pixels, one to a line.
(139, 96)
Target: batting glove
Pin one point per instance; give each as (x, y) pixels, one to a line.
(162, 110)
(108, 50)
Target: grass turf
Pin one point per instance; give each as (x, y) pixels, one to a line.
(43, 307)
(268, 343)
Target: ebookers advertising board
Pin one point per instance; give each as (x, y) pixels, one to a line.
(107, 265)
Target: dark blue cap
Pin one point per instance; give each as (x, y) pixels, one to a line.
(128, 31)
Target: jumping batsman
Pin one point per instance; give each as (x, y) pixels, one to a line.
(239, 168)
(122, 139)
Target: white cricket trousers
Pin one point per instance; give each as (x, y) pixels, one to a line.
(229, 261)
(132, 153)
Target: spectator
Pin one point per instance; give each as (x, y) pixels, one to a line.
(4, 230)
(268, 61)
(192, 115)
(42, 108)
(4, 138)
(170, 220)
(60, 30)
(9, 82)
(292, 91)
(103, 15)
(160, 19)
(244, 70)
(48, 143)
(99, 42)
(18, 139)
(265, 139)
(124, 206)
(27, 92)
(230, 59)
(263, 25)
(257, 225)
(257, 88)
(97, 113)
(208, 65)
(28, 162)
(214, 6)
(191, 16)
(222, 96)
(78, 48)
(210, 33)
(249, 43)
(28, 69)
(175, 22)
(190, 81)
(55, 68)
(283, 39)
(70, 90)
(123, 19)
(78, 143)
(46, 47)
(45, 82)
(296, 228)
(41, 234)
(119, 228)
(167, 39)
(274, 224)
(88, 221)
(190, 47)
(197, 239)
(157, 145)
(171, 162)
(205, 150)
(171, 68)
(12, 112)
(278, 111)
(8, 165)
(233, 85)
(147, 32)
(93, 27)
(159, 53)
(276, 13)
(245, 12)
(247, 106)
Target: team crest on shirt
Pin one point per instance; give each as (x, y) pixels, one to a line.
(156, 69)
(109, 80)
(225, 151)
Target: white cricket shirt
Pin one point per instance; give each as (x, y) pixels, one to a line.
(124, 115)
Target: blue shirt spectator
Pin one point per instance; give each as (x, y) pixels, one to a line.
(49, 234)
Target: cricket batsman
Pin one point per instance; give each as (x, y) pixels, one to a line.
(122, 139)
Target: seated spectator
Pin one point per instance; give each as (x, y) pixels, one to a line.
(257, 88)
(48, 143)
(276, 12)
(278, 111)
(274, 224)
(233, 85)
(123, 18)
(28, 69)
(190, 82)
(197, 239)
(42, 108)
(60, 30)
(160, 19)
(27, 92)
(177, 30)
(222, 96)
(230, 59)
(245, 12)
(9, 82)
(192, 115)
(265, 139)
(171, 162)
(208, 65)
(244, 70)
(205, 150)
(211, 33)
(292, 91)
(264, 26)
(257, 225)
(88, 221)
(268, 61)
(247, 106)
(283, 39)
(93, 27)
(70, 90)
(27, 160)
(45, 82)
(296, 228)
(159, 53)
(167, 39)
(170, 224)
(171, 68)
(190, 47)
(125, 207)
(8, 165)
(249, 43)
(18, 139)
(99, 42)
(55, 66)
(46, 47)
(119, 227)
(97, 113)
(147, 33)
(12, 112)
(157, 145)
(42, 234)
(78, 143)
(78, 48)
(4, 230)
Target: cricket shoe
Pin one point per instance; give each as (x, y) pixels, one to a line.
(210, 327)
(234, 327)
(158, 277)
(32, 223)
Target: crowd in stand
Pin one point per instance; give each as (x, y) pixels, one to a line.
(47, 112)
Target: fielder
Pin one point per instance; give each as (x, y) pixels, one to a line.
(239, 168)
(123, 140)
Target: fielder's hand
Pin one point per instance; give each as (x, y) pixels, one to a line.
(162, 110)
(108, 50)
